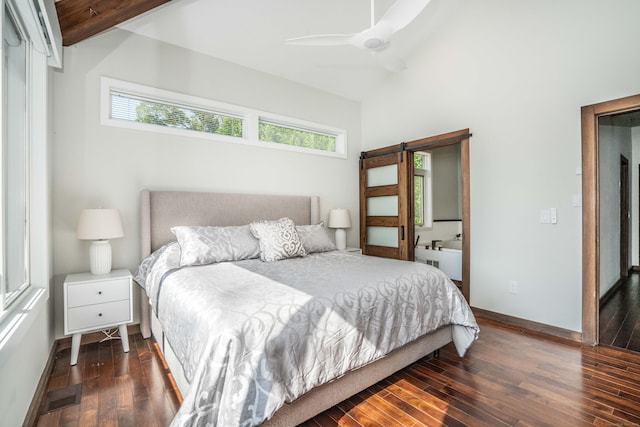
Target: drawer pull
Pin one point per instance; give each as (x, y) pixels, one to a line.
(99, 292)
(99, 314)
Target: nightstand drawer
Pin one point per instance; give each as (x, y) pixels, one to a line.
(98, 292)
(98, 315)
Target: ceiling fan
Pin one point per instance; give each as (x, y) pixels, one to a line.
(376, 38)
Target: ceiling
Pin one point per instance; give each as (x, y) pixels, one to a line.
(629, 119)
(252, 33)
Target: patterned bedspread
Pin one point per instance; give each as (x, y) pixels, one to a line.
(253, 335)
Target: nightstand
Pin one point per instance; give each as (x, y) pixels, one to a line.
(97, 302)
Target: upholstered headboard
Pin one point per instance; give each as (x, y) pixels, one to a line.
(161, 210)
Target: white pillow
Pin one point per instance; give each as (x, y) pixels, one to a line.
(206, 245)
(278, 239)
(314, 238)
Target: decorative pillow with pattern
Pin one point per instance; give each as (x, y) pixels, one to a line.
(207, 245)
(314, 238)
(278, 239)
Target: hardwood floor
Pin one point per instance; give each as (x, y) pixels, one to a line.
(620, 316)
(117, 388)
(508, 378)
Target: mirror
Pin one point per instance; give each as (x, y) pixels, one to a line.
(447, 183)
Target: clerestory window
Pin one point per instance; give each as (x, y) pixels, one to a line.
(142, 107)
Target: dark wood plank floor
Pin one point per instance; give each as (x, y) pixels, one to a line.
(118, 388)
(620, 316)
(508, 378)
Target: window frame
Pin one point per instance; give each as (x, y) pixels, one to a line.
(8, 295)
(427, 195)
(34, 19)
(251, 118)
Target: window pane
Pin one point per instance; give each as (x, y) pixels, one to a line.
(14, 161)
(128, 107)
(418, 199)
(282, 134)
(382, 206)
(382, 236)
(383, 175)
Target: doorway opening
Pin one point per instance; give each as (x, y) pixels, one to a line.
(591, 208)
(387, 178)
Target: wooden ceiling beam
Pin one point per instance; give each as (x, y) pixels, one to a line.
(81, 19)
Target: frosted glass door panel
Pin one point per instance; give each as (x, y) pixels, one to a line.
(382, 206)
(384, 175)
(382, 236)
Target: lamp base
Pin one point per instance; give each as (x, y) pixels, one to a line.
(100, 257)
(341, 239)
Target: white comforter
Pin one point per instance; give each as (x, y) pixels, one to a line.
(252, 335)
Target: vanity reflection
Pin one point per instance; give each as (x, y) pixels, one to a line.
(438, 208)
(438, 185)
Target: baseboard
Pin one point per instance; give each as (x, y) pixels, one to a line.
(528, 326)
(61, 344)
(32, 414)
(612, 290)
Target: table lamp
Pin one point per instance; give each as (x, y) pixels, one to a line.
(340, 219)
(99, 225)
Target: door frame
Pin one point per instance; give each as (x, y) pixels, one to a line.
(457, 137)
(624, 217)
(591, 210)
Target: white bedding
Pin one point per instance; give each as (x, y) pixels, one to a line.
(252, 335)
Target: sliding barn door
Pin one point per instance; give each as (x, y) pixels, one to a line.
(386, 206)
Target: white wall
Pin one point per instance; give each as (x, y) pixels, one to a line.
(105, 166)
(516, 74)
(613, 142)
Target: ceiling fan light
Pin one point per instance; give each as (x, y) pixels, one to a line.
(373, 43)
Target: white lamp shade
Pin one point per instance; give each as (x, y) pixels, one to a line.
(99, 224)
(339, 218)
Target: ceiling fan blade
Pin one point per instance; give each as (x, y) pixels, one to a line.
(389, 61)
(322, 40)
(401, 13)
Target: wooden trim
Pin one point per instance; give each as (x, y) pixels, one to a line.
(405, 200)
(624, 216)
(438, 140)
(590, 210)
(383, 221)
(590, 228)
(382, 251)
(527, 326)
(381, 190)
(466, 217)
(81, 19)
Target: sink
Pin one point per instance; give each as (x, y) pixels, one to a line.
(452, 244)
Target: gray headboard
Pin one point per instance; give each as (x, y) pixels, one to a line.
(161, 210)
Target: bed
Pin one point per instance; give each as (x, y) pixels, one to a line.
(301, 367)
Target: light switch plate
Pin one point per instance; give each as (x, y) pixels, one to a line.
(545, 216)
(576, 200)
